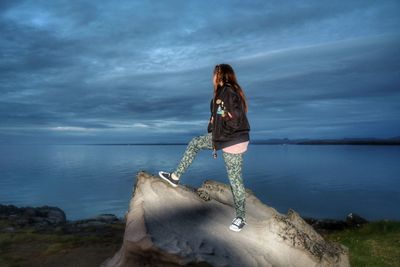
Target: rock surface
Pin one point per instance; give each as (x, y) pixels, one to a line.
(167, 226)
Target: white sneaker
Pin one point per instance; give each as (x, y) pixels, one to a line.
(237, 224)
(167, 177)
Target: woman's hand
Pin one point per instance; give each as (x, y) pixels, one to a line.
(210, 124)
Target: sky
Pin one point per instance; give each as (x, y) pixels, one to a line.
(141, 71)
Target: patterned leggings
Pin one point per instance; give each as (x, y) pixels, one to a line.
(233, 164)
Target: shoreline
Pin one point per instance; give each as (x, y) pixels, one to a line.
(42, 236)
(51, 218)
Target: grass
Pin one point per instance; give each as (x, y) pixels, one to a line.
(374, 244)
(18, 248)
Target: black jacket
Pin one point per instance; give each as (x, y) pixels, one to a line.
(228, 129)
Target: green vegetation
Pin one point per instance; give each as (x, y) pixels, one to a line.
(20, 247)
(374, 244)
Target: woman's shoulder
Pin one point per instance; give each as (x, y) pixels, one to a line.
(229, 88)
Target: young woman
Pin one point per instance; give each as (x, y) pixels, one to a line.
(228, 130)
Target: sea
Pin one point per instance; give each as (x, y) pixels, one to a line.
(319, 181)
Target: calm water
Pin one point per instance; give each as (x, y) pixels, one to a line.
(326, 181)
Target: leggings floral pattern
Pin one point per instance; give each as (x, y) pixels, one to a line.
(233, 163)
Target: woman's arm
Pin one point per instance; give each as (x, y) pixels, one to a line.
(234, 108)
(211, 120)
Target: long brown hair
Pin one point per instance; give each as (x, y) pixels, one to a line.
(225, 74)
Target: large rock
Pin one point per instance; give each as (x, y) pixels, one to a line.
(167, 226)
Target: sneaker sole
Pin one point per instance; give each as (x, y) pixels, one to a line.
(165, 179)
(235, 229)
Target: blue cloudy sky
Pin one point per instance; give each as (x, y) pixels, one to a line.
(140, 71)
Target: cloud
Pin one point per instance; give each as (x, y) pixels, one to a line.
(117, 72)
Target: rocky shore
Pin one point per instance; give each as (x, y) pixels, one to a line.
(43, 237)
(192, 244)
(47, 219)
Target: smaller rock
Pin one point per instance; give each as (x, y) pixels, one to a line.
(8, 230)
(30, 212)
(107, 218)
(329, 224)
(95, 224)
(8, 211)
(54, 215)
(30, 216)
(21, 222)
(355, 220)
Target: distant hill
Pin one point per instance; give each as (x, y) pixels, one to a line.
(344, 141)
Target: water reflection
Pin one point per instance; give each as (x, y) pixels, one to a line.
(321, 181)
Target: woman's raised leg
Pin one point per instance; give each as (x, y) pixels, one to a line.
(195, 145)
